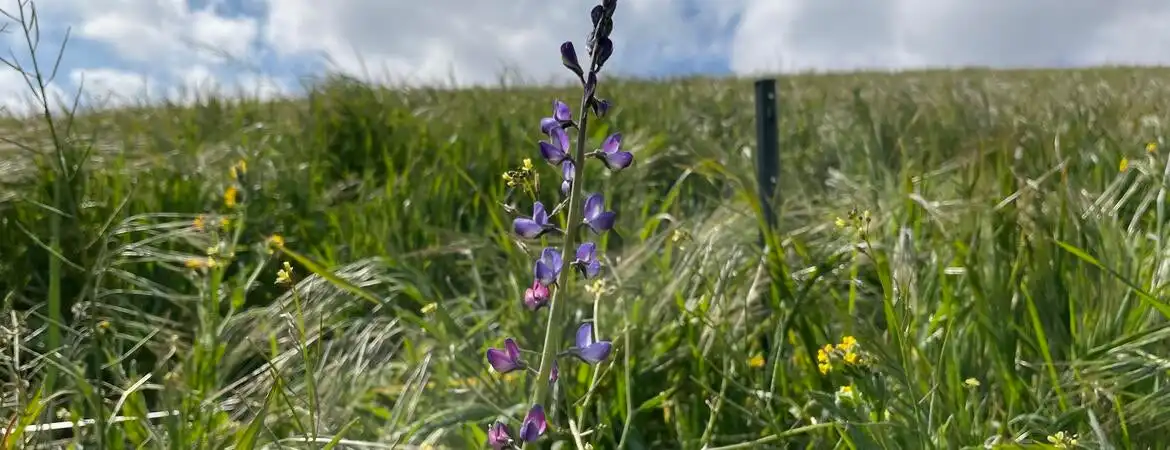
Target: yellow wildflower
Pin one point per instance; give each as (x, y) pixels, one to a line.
(756, 361)
(1151, 147)
(239, 169)
(1063, 440)
(527, 165)
(284, 276)
(231, 197)
(274, 242)
(847, 343)
(1124, 164)
(851, 358)
(200, 263)
(200, 223)
(971, 382)
(823, 364)
(840, 223)
(429, 308)
(846, 393)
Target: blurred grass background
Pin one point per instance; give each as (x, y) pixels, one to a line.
(1010, 286)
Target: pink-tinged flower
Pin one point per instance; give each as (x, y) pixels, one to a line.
(586, 262)
(536, 296)
(533, 227)
(499, 437)
(534, 424)
(587, 349)
(506, 360)
(612, 155)
(548, 267)
(596, 217)
(557, 151)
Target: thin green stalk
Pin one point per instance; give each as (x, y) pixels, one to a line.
(551, 338)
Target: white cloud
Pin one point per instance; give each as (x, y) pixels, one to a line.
(807, 34)
(474, 42)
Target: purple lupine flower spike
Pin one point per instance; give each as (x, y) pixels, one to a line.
(612, 155)
(586, 261)
(536, 296)
(587, 349)
(498, 436)
(548, 267)
(534, 424)
(557, 151)
(535, 226)
(568, 171)
(506, 360)
(596, 217)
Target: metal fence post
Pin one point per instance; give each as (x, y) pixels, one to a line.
(767, 166)
(767, 147)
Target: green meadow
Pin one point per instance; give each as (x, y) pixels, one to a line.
(980, 250)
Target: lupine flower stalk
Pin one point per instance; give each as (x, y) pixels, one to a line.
(553, 268)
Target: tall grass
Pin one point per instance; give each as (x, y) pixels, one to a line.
(1010, 284)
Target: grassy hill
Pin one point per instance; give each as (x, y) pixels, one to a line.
(1008, 286)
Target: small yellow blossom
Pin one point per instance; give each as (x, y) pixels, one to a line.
(847, 393)
(429, 308)
(840, 223)
(971, 382)
(224, 223)
(851, 358)
(847, 343)
(275, 242)
(527, 165)
(1151, 147)
(200, 263)
(284, 276)
(1124, 164)
(200, 223)
(231, 197)
(756, 361)
(597, 287)
(239, 169)
(1063, 440)
(823, 364)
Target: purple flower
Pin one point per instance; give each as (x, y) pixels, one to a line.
(562, 116)
(600, 107)
(535, 226)
(587, 349)
(569, 59)
(536, 296)
(554, 373)
(558, 151)
(548, 267)
(612, 155)
(586, 261)
(505, 361)
(534, 424)
(498, 436)
(568, 171)
(596, 217)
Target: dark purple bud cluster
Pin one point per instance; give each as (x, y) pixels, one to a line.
(549, 268)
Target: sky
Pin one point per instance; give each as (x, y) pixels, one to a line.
(128, 50)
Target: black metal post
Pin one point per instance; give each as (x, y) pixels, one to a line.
(767, 166)
(767, 147)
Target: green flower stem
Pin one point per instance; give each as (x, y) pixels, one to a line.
(553, 328)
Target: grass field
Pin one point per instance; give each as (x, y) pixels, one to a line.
(1003, 276)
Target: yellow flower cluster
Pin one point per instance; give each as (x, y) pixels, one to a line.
(846, 351)
(522, 176)
(285, 275)
(1063, 440)
(856, 220)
